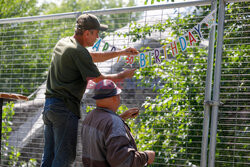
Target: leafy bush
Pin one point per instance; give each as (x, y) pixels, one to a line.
(10, 155)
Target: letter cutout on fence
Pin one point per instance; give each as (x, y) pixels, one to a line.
(165, 51)
(105, 47)
(174, 48)
(209, 20)
(183, 43)
(191, 38)
(157, 55)
(198, 30)
(113, 49)
(130, 60)
(150, 58)
(97, 45)
(142, 60)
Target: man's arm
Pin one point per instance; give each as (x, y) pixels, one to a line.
(121, 147)
(115, 77)
(120, 153)
(103, 56)
(130, 113)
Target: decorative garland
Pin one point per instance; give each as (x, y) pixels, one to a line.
(183, 40)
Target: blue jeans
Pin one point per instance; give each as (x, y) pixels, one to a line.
(60, 134)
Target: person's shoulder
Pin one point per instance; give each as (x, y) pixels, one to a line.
(65, 45)
(107, 118)
(66, 41)
(103, 114)
(99, 115)
(78, 49)
(116, 128)
(116, 119)
(98, 119)
(117, 124)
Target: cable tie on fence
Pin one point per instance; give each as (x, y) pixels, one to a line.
(213, 103)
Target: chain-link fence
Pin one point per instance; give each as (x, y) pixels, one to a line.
(171, 94)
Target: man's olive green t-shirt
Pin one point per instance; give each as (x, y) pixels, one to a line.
(70, 69)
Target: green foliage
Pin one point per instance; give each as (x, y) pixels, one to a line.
(18, 8)
(30, 163)
(171, 122)
(89, 108)
(114, 21)
(139, 32)
(168, 119)
(16, 48)
(26, 47)
(164, 125)
(233, 128)
(10, 155)
(8, 113)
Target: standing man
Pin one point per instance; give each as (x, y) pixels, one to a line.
(71, 67)
(106, 138)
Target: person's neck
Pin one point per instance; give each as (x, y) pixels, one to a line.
(108, 107)
(79, 40)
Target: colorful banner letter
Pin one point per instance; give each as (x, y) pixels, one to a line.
(97, 45)
(130, 60)
(150, 58)
(142, 60)
(198, 30)
(191, 38)
(157, 55)
(165, 51)
(105, 47)
(209, 19)
(183, 43)
(174, 48)
(113, 49)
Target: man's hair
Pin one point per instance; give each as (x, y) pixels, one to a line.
(88, 22)
(79, 31)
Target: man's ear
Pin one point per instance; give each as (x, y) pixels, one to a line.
(114, 98)
(86, 33)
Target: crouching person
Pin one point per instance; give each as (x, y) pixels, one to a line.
(106, 138)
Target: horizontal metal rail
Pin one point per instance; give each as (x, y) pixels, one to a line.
(39, 18)
(231, 1)
(108, 11)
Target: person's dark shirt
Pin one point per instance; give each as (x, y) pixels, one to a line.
(70, 68)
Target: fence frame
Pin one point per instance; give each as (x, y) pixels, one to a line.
(216, 88)
(208, 90)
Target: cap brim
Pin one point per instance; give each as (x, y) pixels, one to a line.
(103, 27)
(119, 91)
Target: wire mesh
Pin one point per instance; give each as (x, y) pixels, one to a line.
(233, 147)
(25, 57)
(171, 124)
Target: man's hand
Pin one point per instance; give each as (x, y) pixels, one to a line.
(129, 73)
(129, 52)
(115, 77)
(151, 156)
(131, 113)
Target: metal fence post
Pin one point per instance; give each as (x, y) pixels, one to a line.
(216, 88)
(208, 91)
